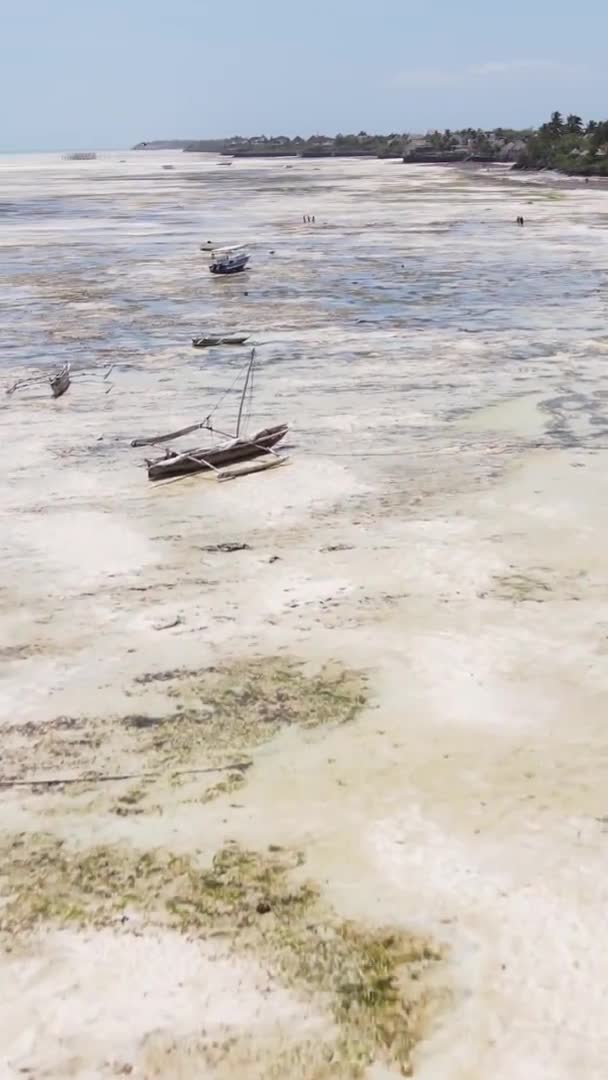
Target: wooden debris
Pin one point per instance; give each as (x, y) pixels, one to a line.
(177, 621)
(56, 781)
(229, 547)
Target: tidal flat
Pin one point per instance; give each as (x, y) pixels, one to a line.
(303, 774)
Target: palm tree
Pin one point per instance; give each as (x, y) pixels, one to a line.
(600, 135)
(574, 124)
(556, 122)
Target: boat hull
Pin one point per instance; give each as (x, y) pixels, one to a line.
(60, 382)
(217, 457)
(229, 339)
(224, 269)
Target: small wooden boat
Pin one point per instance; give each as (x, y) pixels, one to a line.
(60, 381)
(205, 459)
(221, 339)
(232, 451)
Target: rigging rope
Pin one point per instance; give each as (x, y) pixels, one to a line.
(226, 392)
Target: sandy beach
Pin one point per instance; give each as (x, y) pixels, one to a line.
(399, 673)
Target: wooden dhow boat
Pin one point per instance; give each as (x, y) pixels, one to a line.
(218, 458)
(205, 341)
(60, 382)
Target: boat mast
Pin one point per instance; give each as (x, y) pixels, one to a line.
(238, 423)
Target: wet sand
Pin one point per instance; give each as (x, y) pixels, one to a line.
(410, 650)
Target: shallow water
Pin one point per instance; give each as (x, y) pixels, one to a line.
(405, 270)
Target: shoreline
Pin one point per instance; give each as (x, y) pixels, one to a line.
(549, 178)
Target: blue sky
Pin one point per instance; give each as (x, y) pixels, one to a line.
(107, 73)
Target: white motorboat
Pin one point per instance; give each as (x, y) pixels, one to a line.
(228, 260)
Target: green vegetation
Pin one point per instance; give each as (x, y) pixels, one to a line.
(568, 146)
(211, 716)
(233, 782)
(244, 704)
(469, 143)
(370, 982)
